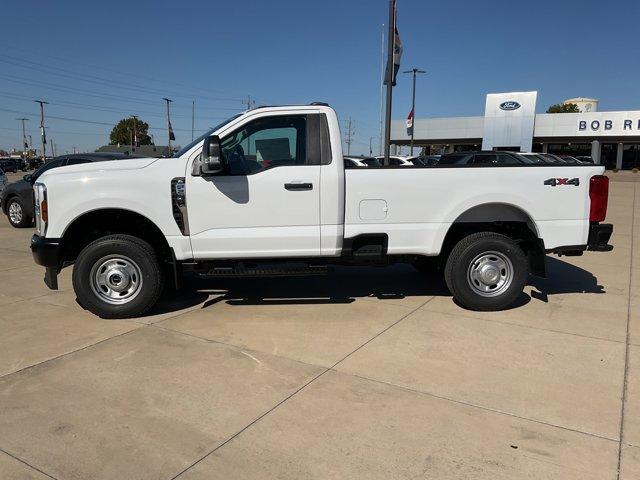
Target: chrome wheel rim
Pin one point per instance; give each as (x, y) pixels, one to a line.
(15, 212)
(490, 274)
(116, 279)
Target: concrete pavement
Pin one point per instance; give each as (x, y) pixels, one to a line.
(365, 373)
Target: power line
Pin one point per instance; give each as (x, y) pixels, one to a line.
(78, 120)
(100, 81)
(106, 69)
(84, 106)
(76, 91)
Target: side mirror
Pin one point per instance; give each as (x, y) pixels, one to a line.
(211, 156)
(27, 178)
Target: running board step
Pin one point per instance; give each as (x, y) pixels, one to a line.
(243, 270)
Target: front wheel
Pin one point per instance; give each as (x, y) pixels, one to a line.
(486, 271)
(118, 276)
(16, 214)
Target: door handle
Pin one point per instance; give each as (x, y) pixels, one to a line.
(298, 186)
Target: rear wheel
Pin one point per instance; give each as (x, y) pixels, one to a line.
(486, 271)
(118, 276)
(16, 214)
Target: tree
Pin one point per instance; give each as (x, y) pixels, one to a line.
(563, 108)
(122, 133)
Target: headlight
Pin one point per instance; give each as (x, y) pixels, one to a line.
(41, 208)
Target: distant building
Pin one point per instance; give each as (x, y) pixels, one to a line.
(142, 150)
(510, 123)
(584, 104)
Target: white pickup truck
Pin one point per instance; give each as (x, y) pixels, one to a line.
(266, 193)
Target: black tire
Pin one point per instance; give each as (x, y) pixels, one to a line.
(25, 220)
(131, 251)
(502, 255)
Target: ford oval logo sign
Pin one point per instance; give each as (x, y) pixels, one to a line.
(509, 106)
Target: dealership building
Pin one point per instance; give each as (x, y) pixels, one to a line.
(510, 123)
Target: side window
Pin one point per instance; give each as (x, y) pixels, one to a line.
(394, 162)
(266, 143)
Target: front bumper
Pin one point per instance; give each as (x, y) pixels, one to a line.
(46, 252)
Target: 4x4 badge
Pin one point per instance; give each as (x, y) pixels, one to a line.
(554, 182)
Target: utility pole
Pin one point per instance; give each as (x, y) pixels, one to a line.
(169, 129)
(74, 150)
(414, 72)
(25, 146)
(250, 102)
(42, 132)
(371, 146)
(134, 144)
(348, 138)
(193, 117)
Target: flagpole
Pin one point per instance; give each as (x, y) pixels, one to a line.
(380, 148)
(389, 78)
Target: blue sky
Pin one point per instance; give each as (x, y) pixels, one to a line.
(100, 61)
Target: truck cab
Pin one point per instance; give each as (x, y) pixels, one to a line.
(266, 192)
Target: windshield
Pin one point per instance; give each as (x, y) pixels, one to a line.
(184, 150)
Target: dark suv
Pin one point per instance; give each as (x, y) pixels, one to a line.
(17, 200)
(8, 165)
(487, 159)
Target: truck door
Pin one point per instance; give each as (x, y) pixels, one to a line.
(267, 201)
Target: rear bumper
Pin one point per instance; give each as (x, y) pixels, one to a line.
(599, 235)
(598, 241)
(46, 252)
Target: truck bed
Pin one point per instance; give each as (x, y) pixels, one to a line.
(416, 206)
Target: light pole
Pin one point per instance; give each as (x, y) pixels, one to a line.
(170, 130)
(371, 146)
(134, 144)
(414, 72)
(42, 132)
(25, 146)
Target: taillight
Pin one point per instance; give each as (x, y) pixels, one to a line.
(599, 195)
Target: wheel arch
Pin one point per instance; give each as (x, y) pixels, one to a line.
(503, 218)
(100, 222)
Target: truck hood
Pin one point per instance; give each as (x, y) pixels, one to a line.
(111, 165)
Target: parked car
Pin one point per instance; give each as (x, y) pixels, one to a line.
(361, 162)
(35, 163)
(585, 159)
(8, 165)
(130, 230)
(539, 158)
(430, 160)
(16, 200)
(3, 181)
(487, 159)
(571, 160)
(398, 160)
